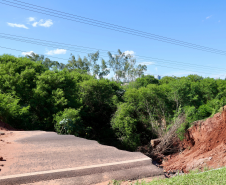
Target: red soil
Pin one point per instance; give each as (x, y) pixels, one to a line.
(5, 126)
(204, 145)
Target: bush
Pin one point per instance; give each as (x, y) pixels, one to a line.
(11, 112)
(146, 80)
(98, 98)
(125, 126)
(182, 130)
(70, 122)
(169, 141)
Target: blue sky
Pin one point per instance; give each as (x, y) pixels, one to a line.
(198, 22)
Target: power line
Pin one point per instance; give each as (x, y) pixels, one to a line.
(67, 60)
(81, 51)
(89, 48)
(114, 27)
(84, 49)
(79, 17)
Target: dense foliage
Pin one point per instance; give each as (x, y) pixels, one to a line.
(157, 104)
(45, 95)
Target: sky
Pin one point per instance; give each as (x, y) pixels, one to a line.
(198, 22)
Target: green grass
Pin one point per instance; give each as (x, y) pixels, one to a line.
(193, 178)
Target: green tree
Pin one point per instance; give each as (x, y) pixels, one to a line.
(168, 79)
(54, 92)
(123, 65)
(98, 97)
(145, 80)
(11, 112)
(125, 126)
(82, 64)
(194, 78)
(117, 62)
(141, 110)
(18, 76)
(69, 122)
(35, 57)
(209, 89)
(98, 71)
(140, 70)
(49, 64)
(89, 65)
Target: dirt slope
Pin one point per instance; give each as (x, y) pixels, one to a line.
(204, 145)
(5, 126)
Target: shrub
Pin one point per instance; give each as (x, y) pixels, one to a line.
(69, 122)
(169, 141)
(11, 112)
(125, 126)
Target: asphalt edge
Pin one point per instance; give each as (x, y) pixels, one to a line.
(75, 172)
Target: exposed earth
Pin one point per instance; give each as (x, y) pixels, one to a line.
(204, 146)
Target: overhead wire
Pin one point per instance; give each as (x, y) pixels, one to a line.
(83, 49)
(110, 26)
(152, 64)
(89, 48)
(107, 56)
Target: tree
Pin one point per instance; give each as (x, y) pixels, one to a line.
(54, 92)
(123, 66)
(89, 64)
(194, 78)
(104, 70)
(117, 62)
(125, 124)
(140, 69)
(98, 71)
(11, 112)
(49, 64)
(82, 64)
(35, 57)
(98, 103)
(145, 80)
(168, 79)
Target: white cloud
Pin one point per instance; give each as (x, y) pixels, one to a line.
(17, 25)
(56, 52)
(156, 69)
(209, 17)
(43, 23)
(132, 53)
(34, 24)
(27, 53)
(31, 19)
(146, 63)
(48, 23)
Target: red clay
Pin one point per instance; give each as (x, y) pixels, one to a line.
(6, 149)
(204, 145)
(5, 126)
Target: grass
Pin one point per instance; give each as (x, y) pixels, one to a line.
(193, 178)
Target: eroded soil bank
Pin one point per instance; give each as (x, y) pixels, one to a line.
(204, 146)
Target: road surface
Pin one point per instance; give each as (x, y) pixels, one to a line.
(39, 156)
